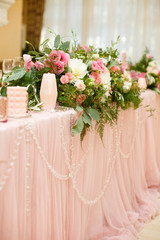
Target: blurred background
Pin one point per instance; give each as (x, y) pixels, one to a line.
(95, 22)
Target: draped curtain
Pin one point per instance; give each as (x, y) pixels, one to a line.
(98, 22)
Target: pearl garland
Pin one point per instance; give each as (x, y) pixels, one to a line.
(13, 158)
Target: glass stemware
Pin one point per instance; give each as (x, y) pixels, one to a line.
(7, 65)
(18, 62)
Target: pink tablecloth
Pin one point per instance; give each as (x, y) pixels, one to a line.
(52, 188)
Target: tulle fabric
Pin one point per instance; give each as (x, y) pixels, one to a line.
(128, 159)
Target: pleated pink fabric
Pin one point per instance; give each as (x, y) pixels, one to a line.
(98, 192)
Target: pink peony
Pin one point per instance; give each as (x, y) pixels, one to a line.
(115, 68)
(64, 57)
(64, 79)
(69, 75)
(95, 66)
(57, 67)
(149, 56)
(100, 63)
(39, 65)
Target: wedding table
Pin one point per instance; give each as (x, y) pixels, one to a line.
(52, 187)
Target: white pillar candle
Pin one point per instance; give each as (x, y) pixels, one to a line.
(48, 91)
(17, 101)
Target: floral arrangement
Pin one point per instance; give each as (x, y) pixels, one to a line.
(146, 72)
(89, 80)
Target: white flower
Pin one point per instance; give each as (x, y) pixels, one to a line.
(95, 56)
(152, 64)
(79, 69)
(105, 77)
(127, 86)
(80, 85)
(104, 61)
(150, 79)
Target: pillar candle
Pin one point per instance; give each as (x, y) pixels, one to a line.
(3, 109)
(17, 101)
(48, 91)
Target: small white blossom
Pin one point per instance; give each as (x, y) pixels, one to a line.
(79, 84)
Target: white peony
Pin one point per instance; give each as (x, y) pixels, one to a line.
(127, 75)
(79, 69)
(152, 64)
(79, 84)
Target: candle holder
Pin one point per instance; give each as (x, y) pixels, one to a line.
(3, 109)
(48, 91)
(17, 101)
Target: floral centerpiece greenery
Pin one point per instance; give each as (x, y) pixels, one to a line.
(88, 79)
(147, 68)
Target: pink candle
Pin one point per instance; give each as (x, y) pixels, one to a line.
(48, 91)
(17, 101)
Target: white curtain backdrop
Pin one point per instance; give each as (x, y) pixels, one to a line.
(97, 22)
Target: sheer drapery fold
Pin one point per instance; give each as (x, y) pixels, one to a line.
(100, 21)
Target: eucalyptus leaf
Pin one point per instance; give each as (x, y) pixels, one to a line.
(47, 50)
(44, 42)
(79, 108)
(79, 126)
(15, 76)
(87, 119)
(65, 46)
(57, 41)
(94, 113)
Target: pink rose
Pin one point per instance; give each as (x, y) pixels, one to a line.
(28, 62)
(159, 72)
(39, 65)
(64, 57)
(57, 67)
(81, 98)
(29, 65)
(100, 63)
(95, 66)
(115, 68)
(80, 85)
(96, 77)
(142, 75)
(149, 56)
(64, 79)
(54, 55)
(142, 83)
(69, 75)
(27, 57)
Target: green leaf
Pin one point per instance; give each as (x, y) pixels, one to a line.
(57, 41)
(15, 76)
(65, 46)
(94, 113)
(87, 119)
(45, 42)
(47, 50)
(112, 63)
(4, 91)
(79, 126)
(35, 53)
(79, 108)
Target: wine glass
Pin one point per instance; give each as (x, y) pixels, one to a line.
(7, 65)
(18, 62)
